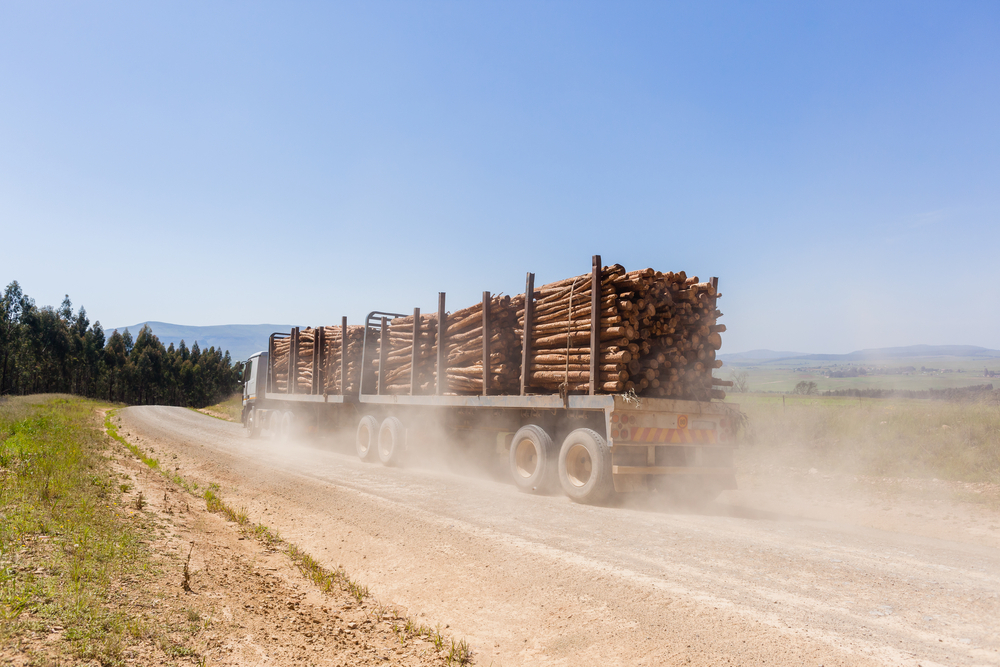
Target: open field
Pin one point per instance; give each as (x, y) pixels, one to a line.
(911, 373)
(957, 441)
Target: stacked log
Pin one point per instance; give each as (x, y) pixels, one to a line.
(559, 335)
(304, 361)
(279, 364)
(464, 348)
(332, 367)
(675, 321)
(657, 335)
(399, 355)
(307, 356)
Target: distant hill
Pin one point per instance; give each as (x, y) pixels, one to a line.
(241, 340)
(880, 354)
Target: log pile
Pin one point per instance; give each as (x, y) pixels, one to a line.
(279, 364)
(332, 340)
(307, 357)
(464, 348)
(658, 335)
(399, 354)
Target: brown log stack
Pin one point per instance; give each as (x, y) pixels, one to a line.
(657, 336)
(329, 357)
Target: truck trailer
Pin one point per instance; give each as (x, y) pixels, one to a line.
(589, 442)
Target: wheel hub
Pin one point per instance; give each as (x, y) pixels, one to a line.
(578, 465)
(526, 458)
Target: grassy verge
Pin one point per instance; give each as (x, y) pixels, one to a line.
(958, 441)
(230, 410)
(458, 653)
(65, 539)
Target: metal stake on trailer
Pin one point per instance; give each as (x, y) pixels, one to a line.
(595, 319)
(319, 338)
(383, 354)
(413, 352)
(529, 315)
(487, 371)
(293, 362)
(343, 356)
(442, 381)
(270, 364)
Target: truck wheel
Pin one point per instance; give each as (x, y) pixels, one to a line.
(366, 441)
(531, 463)
(390, 441)
(585, 467)
(251, 424)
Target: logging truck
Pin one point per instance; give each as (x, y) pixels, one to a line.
(610, 425)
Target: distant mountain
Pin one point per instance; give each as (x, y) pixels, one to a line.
(880, 354)
(241, 340)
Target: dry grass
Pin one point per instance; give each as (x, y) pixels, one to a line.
(957, 441)
(230, 410)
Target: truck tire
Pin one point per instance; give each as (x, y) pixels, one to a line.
(585, 467)
(251, 424)
(366, 441)
(531, 462)
(390, 441)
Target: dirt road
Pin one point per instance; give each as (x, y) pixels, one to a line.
(801, 574)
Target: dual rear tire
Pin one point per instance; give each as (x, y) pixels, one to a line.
(582, 466)
(385, 441)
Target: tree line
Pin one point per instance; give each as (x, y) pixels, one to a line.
(45, 349)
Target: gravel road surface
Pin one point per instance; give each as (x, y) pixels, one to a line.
(797, 571)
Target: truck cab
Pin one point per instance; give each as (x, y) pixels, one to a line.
(254, 383)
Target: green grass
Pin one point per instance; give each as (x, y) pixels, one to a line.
(65, 537)
(957, 441)
(230, 409)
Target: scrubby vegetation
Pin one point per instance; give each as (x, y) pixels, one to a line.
(44, 349)
(953, 440)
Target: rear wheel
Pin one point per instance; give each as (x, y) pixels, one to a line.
(585, 467)
(531, 462)
(390, 441)
(366, 441)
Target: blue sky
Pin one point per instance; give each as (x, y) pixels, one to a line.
(836, 164)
